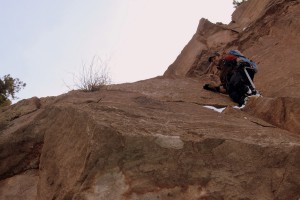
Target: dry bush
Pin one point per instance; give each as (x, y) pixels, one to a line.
(94, 76)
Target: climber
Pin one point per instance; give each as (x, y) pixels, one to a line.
(235, 80)
(213, 67)
(224, 64)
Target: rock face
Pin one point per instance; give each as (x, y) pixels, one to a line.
(120, 143)
(193, 58)
(266, 31)
(283, 112)
(154, 139)
(269, 36)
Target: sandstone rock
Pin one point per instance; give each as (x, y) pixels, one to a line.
(273, 42)
(208, 36)
(20, 141)
(270, 36)
(127, 146)
(22, 108)
(176, 90)
(282, 112)
(247, 13)
(154, 139)
(120, 143)
(23, 186)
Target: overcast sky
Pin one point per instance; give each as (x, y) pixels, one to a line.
(46, 42)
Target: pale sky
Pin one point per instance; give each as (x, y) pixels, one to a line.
(46, 42)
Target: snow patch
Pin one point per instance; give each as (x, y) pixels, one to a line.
(237, 107)
(215, 109)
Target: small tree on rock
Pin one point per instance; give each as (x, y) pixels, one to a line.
(8, 88)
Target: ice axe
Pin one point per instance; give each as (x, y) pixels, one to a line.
(250, 80)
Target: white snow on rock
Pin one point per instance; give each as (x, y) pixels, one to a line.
(215, 109)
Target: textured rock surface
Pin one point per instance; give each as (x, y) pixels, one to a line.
(123, 144)
(247, 13)
(193, 58)
(273, 41)
(154, 139)
(22, 186)
(283, 112)
(266, 31)
(269, 36)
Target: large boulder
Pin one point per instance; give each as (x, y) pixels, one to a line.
(136, 141)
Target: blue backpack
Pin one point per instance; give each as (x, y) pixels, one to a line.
(251, 63)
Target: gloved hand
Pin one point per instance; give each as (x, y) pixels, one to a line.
(214, 89)
(206, 86)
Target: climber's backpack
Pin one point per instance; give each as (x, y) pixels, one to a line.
(251, 64)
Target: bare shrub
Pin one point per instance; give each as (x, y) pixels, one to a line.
(94, 76)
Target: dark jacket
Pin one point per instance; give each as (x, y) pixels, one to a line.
(234, 79)
(227, 65)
